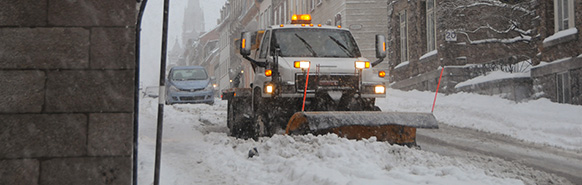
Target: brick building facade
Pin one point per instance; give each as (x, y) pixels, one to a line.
(558, 75)
(484, 34)
(513, 36)
(67, 78)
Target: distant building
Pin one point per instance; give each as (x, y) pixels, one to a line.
(193, 23)
(176, 55)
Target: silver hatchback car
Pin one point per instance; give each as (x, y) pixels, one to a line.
(189, 84)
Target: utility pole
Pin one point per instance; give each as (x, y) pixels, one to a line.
(161, 97)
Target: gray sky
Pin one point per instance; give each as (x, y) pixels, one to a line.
(212, 12)
(151, 32)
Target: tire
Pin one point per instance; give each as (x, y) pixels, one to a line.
(260, 123)
(229, 119)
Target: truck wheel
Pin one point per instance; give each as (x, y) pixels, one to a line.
(229, 120)
(260, 115)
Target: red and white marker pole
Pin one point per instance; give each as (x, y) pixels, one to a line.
(437, 90)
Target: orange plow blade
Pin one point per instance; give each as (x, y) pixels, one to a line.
(393, 127)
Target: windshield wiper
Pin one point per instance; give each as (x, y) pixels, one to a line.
(344, 48)
(307, 44)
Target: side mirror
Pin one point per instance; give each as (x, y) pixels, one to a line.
(245, 43)
(380, 46)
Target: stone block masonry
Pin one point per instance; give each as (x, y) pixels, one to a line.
(67, 75)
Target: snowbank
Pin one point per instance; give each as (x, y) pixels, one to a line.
(538, 121)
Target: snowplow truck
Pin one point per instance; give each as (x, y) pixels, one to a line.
(313, 79)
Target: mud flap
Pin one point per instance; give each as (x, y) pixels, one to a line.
(393, 127)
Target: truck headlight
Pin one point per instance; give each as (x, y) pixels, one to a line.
(380, 89)
(269, 88)
(362, 64)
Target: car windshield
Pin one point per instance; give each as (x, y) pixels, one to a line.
(189, 74)
(306, 42)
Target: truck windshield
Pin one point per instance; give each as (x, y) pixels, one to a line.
(308, 42)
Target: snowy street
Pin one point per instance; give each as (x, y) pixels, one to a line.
(198, 150)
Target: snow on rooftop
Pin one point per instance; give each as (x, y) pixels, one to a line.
(504, 41)
(492, 76)
(561, 34)
(402, 64)
(552, 62)
(429, 54)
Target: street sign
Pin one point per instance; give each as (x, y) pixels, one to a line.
(450, 36)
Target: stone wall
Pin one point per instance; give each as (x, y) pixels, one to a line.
(545, 83)
(67, 91)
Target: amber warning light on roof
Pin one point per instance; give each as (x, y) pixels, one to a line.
(301, 19)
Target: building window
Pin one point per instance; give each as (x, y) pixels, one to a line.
(276, 15)
(563, 87)
(306, 6)
(217, 70)
(430, 25)
(563, 14)
(403, 37)
(286, 15)
(281, 20)
(261, 20)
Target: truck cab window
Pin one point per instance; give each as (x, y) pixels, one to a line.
(297, 42)
(265, 47)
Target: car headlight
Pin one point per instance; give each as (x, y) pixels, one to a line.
(209, 87)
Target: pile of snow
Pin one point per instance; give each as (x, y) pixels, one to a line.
(331, 160)
(538, 121)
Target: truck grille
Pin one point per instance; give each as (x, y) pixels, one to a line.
(327, 82)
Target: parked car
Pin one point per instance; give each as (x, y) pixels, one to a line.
(189, 84)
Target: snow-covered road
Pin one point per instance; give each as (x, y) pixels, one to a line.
(454, 141)
(197, 150)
